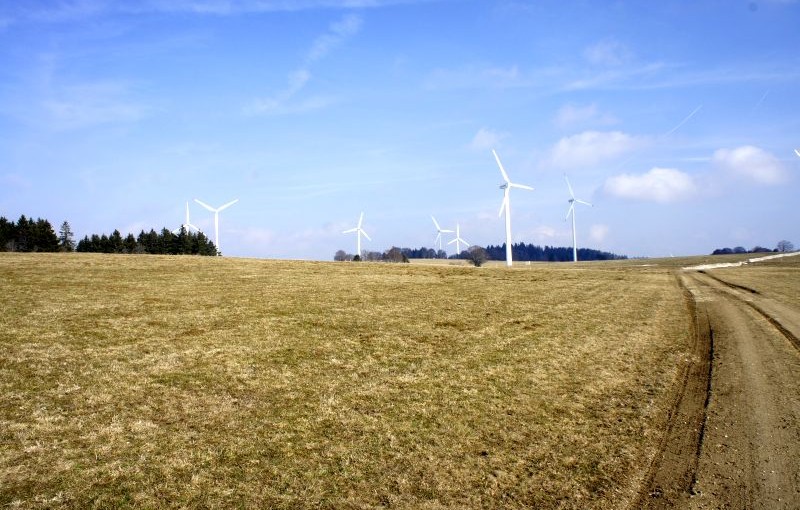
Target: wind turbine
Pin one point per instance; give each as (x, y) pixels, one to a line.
(572, 200)
(216, 218)
(439, 232)
(359, 232)
(188, 223)
(458, 241)
(506, 187)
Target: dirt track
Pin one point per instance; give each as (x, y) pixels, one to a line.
(734, 438)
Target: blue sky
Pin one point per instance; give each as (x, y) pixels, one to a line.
(678, 120)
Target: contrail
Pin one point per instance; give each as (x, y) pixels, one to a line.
(684, 121)
(761, 100)
(681, 123)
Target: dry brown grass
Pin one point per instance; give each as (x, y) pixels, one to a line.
(200, 382)
(778, 279)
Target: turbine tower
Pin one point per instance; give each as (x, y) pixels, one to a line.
(359, 232)
(458, 241)
(188, 223)
(572, 200)
(216, 218)
(439, 232)
(506, 187)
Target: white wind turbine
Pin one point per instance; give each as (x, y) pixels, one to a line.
(359, 232)
(216, 218)
(188, 223)
(506, 187)
(571, 210)
(439, 232)
(458, 241)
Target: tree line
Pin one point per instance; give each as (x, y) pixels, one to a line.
(520, 251)
(783, 246)
(533, 253)
(29, 235)
(154, 243)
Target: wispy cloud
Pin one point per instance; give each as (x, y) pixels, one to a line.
(90, 104)
(608, 53)
(478, 76)
(78, 10)
(571, 115)
(752, 163)
(663, 185)
(283, 102)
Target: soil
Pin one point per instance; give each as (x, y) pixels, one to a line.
(734, 433)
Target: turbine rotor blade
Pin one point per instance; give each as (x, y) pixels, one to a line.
(365, 235)
(205, 205)
(502, 170)
(360, 220)
(227, 205)
(571, 193)
(520, 186)
(583, 202)
(437, 224)
(797, 151)
(570, 210)
(348, 231)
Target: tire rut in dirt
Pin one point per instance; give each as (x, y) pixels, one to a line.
(749, 455)
(673, 471)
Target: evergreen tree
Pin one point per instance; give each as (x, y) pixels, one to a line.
(65, 241)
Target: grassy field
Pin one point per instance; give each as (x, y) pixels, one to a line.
(153, 381)
(778, 279)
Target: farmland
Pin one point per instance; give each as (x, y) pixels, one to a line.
(153, 381)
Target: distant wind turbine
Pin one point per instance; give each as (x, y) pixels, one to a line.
(188, 223)
(439, 232)
(571, 211)
(506, 205)
(458, 240)
(359, 232)
(216, 218)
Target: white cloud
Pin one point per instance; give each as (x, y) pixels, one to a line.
(592, 147)
(658, 185)
(598, 233)
(486, 139)
(570, 115)
(752, 163)
(607, 53)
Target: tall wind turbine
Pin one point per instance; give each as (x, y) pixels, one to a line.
(439, 232)
(216, 218)
(506, 205)
(458, 241)
(188, 223)
(571, 210)
(359, 232)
